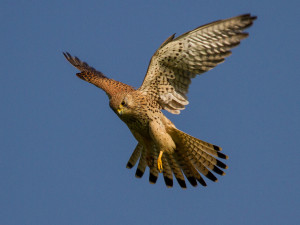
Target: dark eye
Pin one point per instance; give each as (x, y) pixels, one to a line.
(123, 103)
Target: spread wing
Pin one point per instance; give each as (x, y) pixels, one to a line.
(179, 60)
(97, 78)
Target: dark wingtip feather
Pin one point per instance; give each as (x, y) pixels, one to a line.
(67, 55)
(181, 183)
(248, 16)
(217, 148)
(222, 156)
(249, 19)
(168, 181)
(212, 177)
(139, 173)
(129, 165)
(222, 165)
(73, 60)
(192, 181)
(152, 178)
(202, 182)
(253, 17)
(218, 171)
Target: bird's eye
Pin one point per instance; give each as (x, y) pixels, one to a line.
(123, 103)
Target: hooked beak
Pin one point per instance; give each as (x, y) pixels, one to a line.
(120, 111)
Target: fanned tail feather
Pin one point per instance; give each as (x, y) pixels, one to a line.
(135, 156)
(191, 158)
(199, 156)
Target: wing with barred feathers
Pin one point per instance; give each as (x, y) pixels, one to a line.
(179, 60)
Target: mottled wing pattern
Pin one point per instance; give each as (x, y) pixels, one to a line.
(178, 60)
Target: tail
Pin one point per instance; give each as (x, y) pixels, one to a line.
(191, 157)
(197, 157)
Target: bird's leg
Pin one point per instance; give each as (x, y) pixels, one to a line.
(159, 162)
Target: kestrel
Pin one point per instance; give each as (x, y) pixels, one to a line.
(161, 146)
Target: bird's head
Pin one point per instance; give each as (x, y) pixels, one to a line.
(122, 104)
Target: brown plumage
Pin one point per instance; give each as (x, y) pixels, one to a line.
(161, 146)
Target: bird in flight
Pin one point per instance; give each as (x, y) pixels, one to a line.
(161, 146)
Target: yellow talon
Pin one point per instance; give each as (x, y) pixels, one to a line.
(159, 162)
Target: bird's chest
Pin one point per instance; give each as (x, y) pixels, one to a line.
(137, 123)
(141, 115)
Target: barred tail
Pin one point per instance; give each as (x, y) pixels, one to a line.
(197, 157)
(191, 158)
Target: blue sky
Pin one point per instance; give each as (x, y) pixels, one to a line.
(63, 152)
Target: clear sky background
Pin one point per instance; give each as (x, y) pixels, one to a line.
(63, 151)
